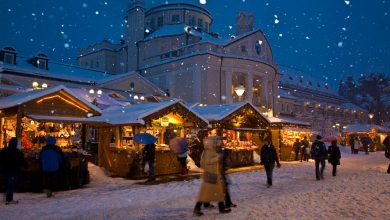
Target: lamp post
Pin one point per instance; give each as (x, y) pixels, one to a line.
(371, 116)
(239, 90)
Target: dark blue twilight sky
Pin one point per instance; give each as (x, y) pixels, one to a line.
(323, 38)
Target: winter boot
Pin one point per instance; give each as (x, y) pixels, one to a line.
(197, 211)
(222, 208)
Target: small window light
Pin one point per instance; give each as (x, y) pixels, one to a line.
(44, 86)
(35, 84)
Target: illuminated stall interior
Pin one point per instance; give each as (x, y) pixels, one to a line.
(376, 133)
(35, 115)
(241, 126)
(117, 150)
(285, 131)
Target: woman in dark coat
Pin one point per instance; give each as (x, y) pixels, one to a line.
(334, 156)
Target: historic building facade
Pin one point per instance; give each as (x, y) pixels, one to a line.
(314, 101)
(172, 46)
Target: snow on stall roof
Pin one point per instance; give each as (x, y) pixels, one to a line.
(287, 120)
(56, 70)
(61, 119)
(18, 99)
(134, 114)
(365, 128)
(219, 112)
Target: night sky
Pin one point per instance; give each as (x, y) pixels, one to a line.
(323, 38)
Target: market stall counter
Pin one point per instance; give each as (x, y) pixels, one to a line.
(72, 175)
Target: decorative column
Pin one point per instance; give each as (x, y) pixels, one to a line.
(249, 87)
(265, 92)
(228, 86)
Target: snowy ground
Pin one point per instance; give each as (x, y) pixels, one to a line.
(360, 191)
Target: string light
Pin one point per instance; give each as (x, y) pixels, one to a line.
(65, 100)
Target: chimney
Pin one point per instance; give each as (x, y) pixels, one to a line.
(244, 23)
(40, 61)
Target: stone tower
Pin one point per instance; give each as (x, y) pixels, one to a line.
(134, 31)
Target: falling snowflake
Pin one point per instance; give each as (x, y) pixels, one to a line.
(66, 45)
(203, 2)
(276, 21)
(96, 12)
(346, 2)
(280, 35)
(344, 29)
(230, 27)
(307, 38)
(85, 5)
(340, 44)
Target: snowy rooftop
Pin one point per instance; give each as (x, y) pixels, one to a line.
(301, 79)
(219, 112)
(134, 114)
(21, 98)
(56, 70)
(365, 128)
(287, 120)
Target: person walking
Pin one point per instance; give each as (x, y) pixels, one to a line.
(386, 142)
(213, 186)
(304, 148)
(11, 160)
(52, 159)
(319, 154)
(334, 156)
(268, 158)
(149, 153)
(352, 144)
(297, 147)
(366, 141)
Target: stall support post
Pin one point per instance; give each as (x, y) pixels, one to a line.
(19, 127)
(83, 135)
(2, 133)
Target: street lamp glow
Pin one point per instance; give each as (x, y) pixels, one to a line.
(142, 98)
(91, 91)
(239, 90)
(135, 97)
(370, 115)
(44, 86)
(99, 92)
(35, 85)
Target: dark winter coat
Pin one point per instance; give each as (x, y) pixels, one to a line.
(318, 150)
(51, 158)
(297, 146)
(268, 155)
(149, 152)
(334, 154)
(11, 160)
(386, 142)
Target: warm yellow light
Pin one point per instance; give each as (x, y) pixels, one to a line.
(91, 91)
(67, 101)
(44, 86)
(136, 97)
(35, 84)
(99, 92)
(142, 98)
(239, 90)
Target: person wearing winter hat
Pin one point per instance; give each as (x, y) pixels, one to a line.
(51, 158)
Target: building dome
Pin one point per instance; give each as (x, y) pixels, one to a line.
(178, 13)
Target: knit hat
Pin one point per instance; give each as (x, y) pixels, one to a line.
(50, 140)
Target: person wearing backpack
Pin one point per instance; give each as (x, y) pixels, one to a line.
(319, 154)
